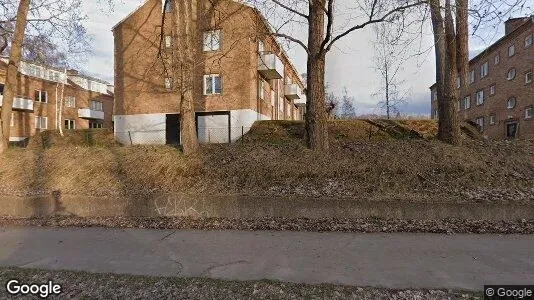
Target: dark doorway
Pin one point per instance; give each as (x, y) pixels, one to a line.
(172, 129)
(511, 130)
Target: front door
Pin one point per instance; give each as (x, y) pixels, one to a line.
(511, 130)
(172, 129)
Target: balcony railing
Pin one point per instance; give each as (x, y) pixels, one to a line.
(88, 113)
(292, 91)
(270, 66)
(301, 100)
(19, 103)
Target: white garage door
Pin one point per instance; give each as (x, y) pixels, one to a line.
(213, 129)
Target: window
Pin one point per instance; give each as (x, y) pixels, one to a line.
(70, 124)
(168, 6)
(484, 70)
(261, 46)
(529, 111)
(261, 90)
(496, 59)
(212, 84)
(492, 90)
(480, 97)
(458, 82)
(212, 40)
(480, 122)
(41, 122)
(40, 96)
(70, 101)
(472, 76)
(511, 50)
(12, 122)
(1, 88)
(467, 102)
(511, 74)
(528, 77)
(492, 119)
(168, 83)
(510, 103)
(95, 124)
(528, 41)
(96, 105)
(168, 41)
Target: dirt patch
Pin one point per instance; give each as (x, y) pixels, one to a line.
(115, 286)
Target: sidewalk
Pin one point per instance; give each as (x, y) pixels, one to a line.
(383, 260)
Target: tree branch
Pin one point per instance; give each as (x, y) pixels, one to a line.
(290, 9)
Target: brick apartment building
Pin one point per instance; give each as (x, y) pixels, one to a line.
(88, 102)
(500, 97)
(245, 75)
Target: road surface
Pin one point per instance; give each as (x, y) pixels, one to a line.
(381, 260)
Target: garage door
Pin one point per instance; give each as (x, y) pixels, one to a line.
(213, 128)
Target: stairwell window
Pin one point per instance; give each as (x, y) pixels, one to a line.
(529, 111)
(69, 124)
(212, 84)
(261, 47)
(168, 83)
(458, 82)
(528, 41)
(168, 5)
(511, 74)
(484, 69)
(480, 122)
(212, 40)
(12, 121)
(467, 102)
(528, 77)
(480, 97)
(472, 76)
(492, 90)
(41, 123)
(511, 50)
(168, 41)
(510, 103)
(70, 101)
(492, 119)
(41, 96)
(96, 105)
(496, 59)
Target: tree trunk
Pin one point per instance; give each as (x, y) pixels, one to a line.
(12, 71)
(189, 42)
(316, 116)
(60, 115)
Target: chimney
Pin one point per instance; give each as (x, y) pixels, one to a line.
(513, 23)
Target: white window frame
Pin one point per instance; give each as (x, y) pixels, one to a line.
(508, 101)
(458, 82)
(480, 97)
(492, 89)
(527, 79)
(39, 122)
(261, 46)
(471, 76)
(168, 41)
(212, 76)
(467, 102)
(528, 41)
(480, 122)
(99, 125)
(261, 91)
(168, 83)
(497, 59)
(511, 74)
(511, 50)
(70, 101)
(71, 124)
(212, 40)
(484, 70)
(529, 112)
(40, 98)
(492, 119)
(96, 105)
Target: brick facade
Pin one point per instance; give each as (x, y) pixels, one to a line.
(24, 120)
(493, 110)
(142, 100)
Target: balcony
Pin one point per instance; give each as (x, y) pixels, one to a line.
(87, 113)
(301, 101)
(270, 66)
(19, 103)
(292, 91)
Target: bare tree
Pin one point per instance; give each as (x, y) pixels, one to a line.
(328, 22)
(347, 109)
(388, 60)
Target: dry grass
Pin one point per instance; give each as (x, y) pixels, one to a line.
(272, 161)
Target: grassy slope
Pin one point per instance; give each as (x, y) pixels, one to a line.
(364, 163)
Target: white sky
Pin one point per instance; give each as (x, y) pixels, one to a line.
(349, 64)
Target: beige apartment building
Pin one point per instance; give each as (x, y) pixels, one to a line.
(500, 95)
(87, 102)
(243, 74)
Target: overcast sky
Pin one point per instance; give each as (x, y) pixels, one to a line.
(349, 64)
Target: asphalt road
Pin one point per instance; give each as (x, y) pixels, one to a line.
(381, 260)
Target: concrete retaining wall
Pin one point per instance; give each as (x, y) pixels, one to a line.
(251, 207)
